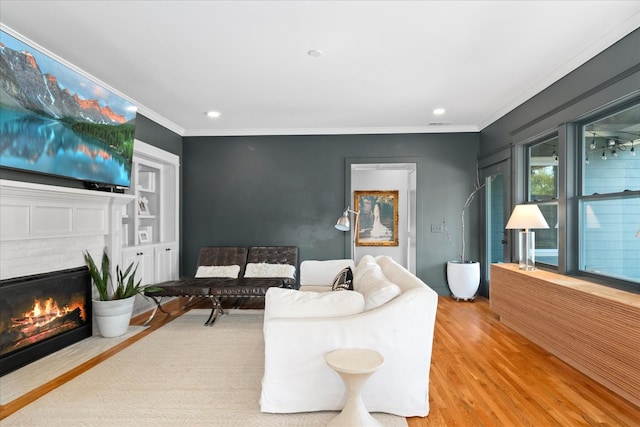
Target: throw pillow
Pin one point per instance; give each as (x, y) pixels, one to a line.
(366, 262)
(376, 288)
(343, 281)
(230, 271)
(264, 269)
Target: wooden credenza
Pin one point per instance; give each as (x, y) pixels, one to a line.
(594, 328)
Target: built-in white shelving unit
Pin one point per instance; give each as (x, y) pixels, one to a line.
(150, 225)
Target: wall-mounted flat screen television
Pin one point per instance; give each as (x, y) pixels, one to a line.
(54, 120)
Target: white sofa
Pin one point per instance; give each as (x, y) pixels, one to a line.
(300, 327)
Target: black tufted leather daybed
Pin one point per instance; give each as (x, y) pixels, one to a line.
(248, 272)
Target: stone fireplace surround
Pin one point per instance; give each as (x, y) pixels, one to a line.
(46, 228)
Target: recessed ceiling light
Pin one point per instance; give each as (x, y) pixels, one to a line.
(315, 53)
(439, 111)
(213, 114)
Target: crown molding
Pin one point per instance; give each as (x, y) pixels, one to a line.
(162, 121)
(332, 131)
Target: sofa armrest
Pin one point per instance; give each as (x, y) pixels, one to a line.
(297, 378)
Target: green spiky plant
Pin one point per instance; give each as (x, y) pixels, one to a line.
(126, 285)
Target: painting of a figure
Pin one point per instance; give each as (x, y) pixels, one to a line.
(377, 219)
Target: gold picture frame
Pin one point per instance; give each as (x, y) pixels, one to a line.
(377, 218)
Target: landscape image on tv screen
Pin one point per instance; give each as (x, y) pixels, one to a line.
(53, 120)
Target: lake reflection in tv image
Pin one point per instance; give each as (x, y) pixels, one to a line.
(44, 145)
(54, 120)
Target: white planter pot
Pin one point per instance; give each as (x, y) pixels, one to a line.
(113, 317)
(463, 279)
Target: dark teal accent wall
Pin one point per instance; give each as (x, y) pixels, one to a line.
(154, 134)
(290, 190)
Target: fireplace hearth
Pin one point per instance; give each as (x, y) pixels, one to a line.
(42, 314)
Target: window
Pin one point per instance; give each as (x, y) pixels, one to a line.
(609, 198)
(542, 160)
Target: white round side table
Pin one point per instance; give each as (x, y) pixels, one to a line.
(354, 365)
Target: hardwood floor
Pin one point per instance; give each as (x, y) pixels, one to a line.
(482, 374)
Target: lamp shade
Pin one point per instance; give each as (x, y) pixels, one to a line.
(526, 216)
(343, 223)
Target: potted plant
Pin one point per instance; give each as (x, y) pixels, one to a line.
(113, 308)
(463, 275)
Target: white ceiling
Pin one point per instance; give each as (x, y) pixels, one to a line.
(385, 65)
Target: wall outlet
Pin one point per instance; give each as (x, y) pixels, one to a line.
(436, 228)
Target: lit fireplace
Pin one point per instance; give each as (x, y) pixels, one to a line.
(44, 321)
(42, 314)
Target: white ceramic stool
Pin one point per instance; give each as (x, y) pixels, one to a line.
(354, 365)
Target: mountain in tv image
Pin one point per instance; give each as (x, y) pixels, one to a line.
(25, 86)
(47, 127)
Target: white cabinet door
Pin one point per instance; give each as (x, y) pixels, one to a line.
(166, 261)
(143, 257)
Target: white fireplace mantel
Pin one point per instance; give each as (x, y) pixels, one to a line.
(33, 213)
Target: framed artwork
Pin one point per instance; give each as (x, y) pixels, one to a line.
(378, 218)
(143, 206)
(143, 236)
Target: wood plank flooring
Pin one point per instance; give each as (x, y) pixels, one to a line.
(485, 374)
(482, 374)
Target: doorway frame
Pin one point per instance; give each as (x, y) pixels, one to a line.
(350, 161)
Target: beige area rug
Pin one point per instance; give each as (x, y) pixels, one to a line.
(21, 381)
(183, 374)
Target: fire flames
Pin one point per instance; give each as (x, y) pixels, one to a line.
(46, 319)
(43, 313)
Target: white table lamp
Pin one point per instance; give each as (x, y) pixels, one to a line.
(526, 217)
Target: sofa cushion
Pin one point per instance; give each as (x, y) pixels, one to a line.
(291, 303)
(343, 281)
(375, 287)
(264, 269)
(230, 271)
(322, 273)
